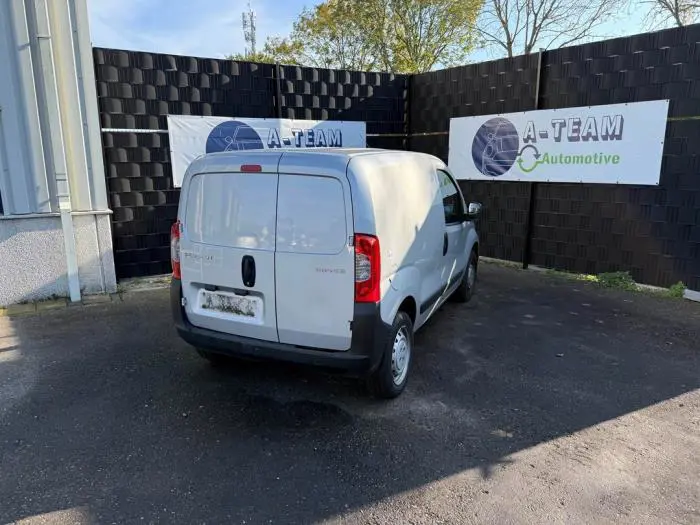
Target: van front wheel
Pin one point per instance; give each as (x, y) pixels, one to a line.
(389, 380)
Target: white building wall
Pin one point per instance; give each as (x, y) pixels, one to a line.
(33, 260)
(93, 239)
(55, 232)
(23, 180)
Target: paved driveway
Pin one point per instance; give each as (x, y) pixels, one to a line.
(542, 400)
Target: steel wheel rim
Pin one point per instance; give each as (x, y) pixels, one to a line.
(400, 356)
(471, 275)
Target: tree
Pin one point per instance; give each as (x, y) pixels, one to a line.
(276, 50)
(663, 13)
(400, 36)
(523, 26)
(333, 34)
(413, 36)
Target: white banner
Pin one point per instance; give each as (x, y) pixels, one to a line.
(616, 143)
(192, 136)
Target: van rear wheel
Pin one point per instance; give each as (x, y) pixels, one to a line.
(466, 288)
(389, 380)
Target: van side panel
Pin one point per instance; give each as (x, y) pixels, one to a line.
(396, 196)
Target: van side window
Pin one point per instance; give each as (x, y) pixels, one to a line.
(451, 198)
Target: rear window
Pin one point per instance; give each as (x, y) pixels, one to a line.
(311, 215)
(232, 209)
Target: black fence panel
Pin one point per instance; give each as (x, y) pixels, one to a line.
(379, 99)
(651, 231)
(138, 90)
(500, 86)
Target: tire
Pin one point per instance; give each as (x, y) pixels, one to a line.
(389, 380)
(467, 286)
(214, 359)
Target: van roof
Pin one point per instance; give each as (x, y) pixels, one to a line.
(297, 160)
(335, 152)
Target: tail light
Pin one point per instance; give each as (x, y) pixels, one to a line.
(367, 269)
(175, 250)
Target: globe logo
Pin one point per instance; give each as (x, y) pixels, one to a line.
(233, 136)
(495, 147)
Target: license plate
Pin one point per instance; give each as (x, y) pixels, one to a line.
(243, 307)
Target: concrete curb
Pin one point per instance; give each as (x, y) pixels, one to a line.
(690, 295)
(25, 309)
(18, 309)
(145, 284)
(501, 262)
(128, 286)
(51, 304)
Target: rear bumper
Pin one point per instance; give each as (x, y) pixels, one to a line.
(369, 335)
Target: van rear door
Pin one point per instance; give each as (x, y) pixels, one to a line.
(315, 257)
(228, 248)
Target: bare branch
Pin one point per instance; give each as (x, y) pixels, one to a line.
(523, 26)
(665, 13)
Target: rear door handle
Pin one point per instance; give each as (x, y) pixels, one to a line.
(445, 244)
(248, 270)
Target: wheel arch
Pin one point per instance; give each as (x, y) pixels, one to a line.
(410, 307)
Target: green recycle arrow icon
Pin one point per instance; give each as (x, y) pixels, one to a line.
(524, 169)
(520, 159)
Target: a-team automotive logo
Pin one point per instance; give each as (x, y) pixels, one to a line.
(496, 147)
(233, 136)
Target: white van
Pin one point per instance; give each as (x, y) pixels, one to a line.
(330, 257)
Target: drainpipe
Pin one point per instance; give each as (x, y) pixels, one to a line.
(39, 27)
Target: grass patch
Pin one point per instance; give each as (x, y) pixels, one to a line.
(611, 280)
(622, 281)
(677, 290)
(570, 275)
(617, 280)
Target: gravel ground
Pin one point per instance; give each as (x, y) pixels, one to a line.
(543, 400)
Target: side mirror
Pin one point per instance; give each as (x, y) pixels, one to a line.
(473, 210)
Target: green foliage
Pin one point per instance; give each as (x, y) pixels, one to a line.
(617, 280)
(334, 34)
(413, 36)
(677, 290)
(276, 50)
(399, 36)
(622, 281)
